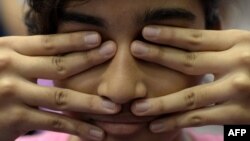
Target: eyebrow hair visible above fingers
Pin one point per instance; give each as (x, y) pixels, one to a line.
(149, 16)
(82, 18)
(168, 14)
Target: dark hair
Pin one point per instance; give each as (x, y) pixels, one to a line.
(43, 16)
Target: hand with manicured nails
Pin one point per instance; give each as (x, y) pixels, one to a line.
(24, 59)
(226, 54)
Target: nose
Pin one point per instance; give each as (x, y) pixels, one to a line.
(121, 82)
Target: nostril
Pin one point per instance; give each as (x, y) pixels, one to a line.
(122, 93)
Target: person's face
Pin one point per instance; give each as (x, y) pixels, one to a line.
(124, 78)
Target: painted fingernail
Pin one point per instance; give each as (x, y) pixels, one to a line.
(151, 32)
(142, 107)
(109, 106)
(157, 127)
(107, 50)
(96, 134)
(91, 39)
(139, 48)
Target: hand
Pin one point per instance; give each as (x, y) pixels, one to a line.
(226, 54)
(24, 59)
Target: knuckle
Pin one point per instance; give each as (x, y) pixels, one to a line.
(57, 124)
(19, 119)
(6, 41)
(245, 58)
(197, 120)
(5, 61)
(241, 83)
(190, 62)
(58, 63)
(47, 43)
(60, 99)
(190, 99)
(7, 88)
(195, 39)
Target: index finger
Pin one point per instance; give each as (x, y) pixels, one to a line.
(195, 39)
(187, 99)
(45, 45)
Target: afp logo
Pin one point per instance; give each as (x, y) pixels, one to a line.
(237, 132)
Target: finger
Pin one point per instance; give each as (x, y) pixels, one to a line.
(61, 67)
(64, 99)
(53, 44)
(193, 39)
(40, 120)
(193, 63)
(214, 115)
(193, 98)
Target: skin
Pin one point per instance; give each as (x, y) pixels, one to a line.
(227, 97)
(230, 90)
(12, 20)
(21, 96)
(125, 78)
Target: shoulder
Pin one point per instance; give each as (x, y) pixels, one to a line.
(45, 136)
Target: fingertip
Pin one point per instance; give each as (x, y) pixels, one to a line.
(96, 134)
(108, 49)
(110, 106)
(138, 49)
(133, 110)
(151, 32)
(92, 39)
(140, 108)
(157, 127)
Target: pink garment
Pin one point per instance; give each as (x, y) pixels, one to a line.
(45, 136)
(52, 136)
(205, 137)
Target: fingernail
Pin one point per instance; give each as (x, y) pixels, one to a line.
(142, 107)
(96, 134)
(139, 48)
(109, 106)
(107, 50)
(91, 39)
(157, 127)
(151, 32)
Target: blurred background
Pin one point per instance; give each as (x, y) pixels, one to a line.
(11, 17)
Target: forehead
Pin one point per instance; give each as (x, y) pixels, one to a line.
(130, 11)
(128, 6)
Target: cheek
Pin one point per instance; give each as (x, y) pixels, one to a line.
(86, 82)
(158, 80)
(162, 81)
